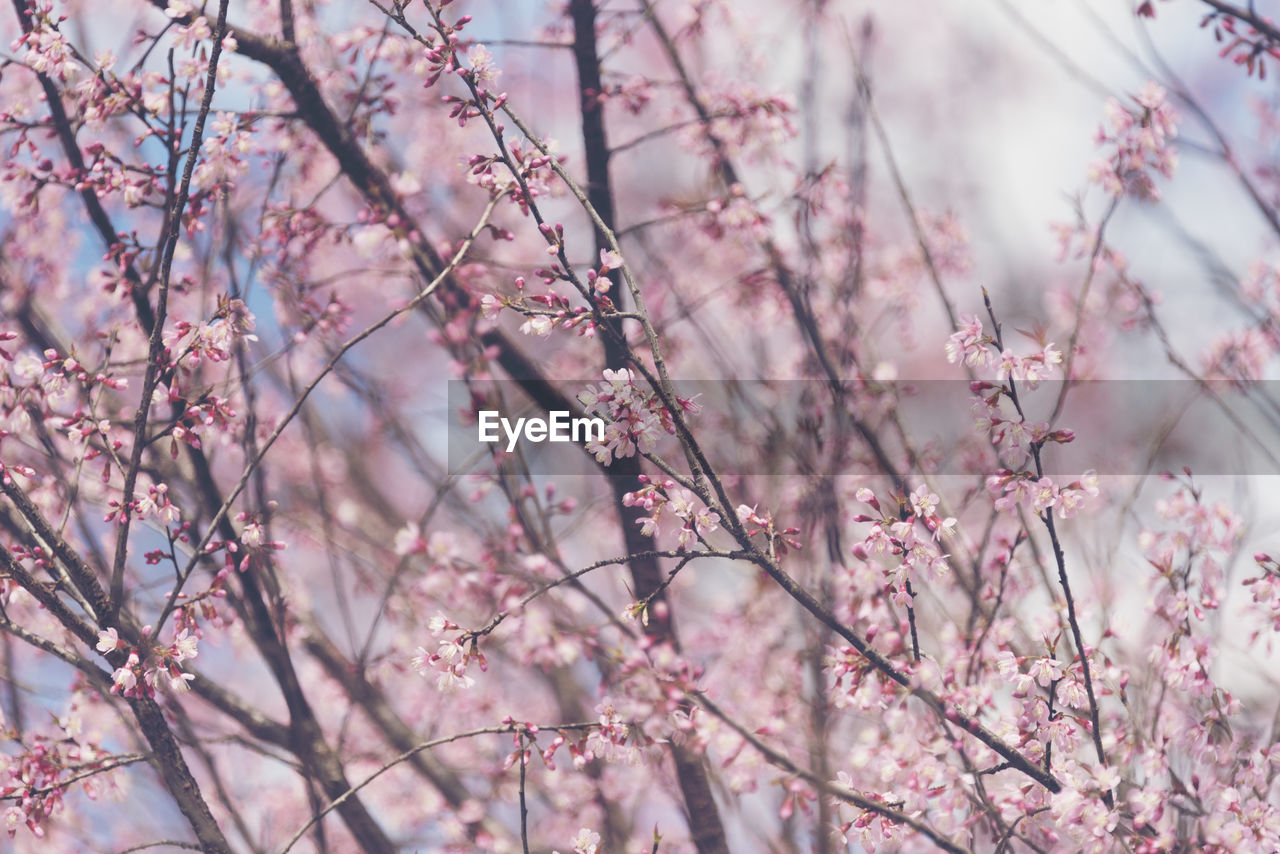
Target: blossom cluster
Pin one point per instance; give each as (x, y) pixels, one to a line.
(451, 658)
(585, 841)
(524, 174)
(998, 413)
(1041, 495)
(937, 651)
(971, 345)
(1188, 583)
(1202, 750)
(143, 672)
(909, 538)
(635, 417)
(759, 522)
(1265, 592)
(547, 311)
(1242, 356)
(696, 521)
(1140, 140)
(37, 779)
(188, 344)
(44, 48)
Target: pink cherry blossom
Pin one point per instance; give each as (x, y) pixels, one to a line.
(875, 550)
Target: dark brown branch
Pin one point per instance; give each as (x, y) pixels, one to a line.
(398, 734)
(1060, 559)
(167, 755)
(172, 766)
(84, 578)
(1264, 27)
(93, 206)
(782, 273)
(305, 738)
(375, 186)
(845, 794)
(705, 826)
(286, 21)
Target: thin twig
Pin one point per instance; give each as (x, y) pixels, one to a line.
(1060, 560)
(837, 790)
(152, 376)
(119, 762)
(198, 552)
(524, 807)
(426, 745)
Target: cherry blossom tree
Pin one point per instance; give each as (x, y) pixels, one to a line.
(263, 589)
